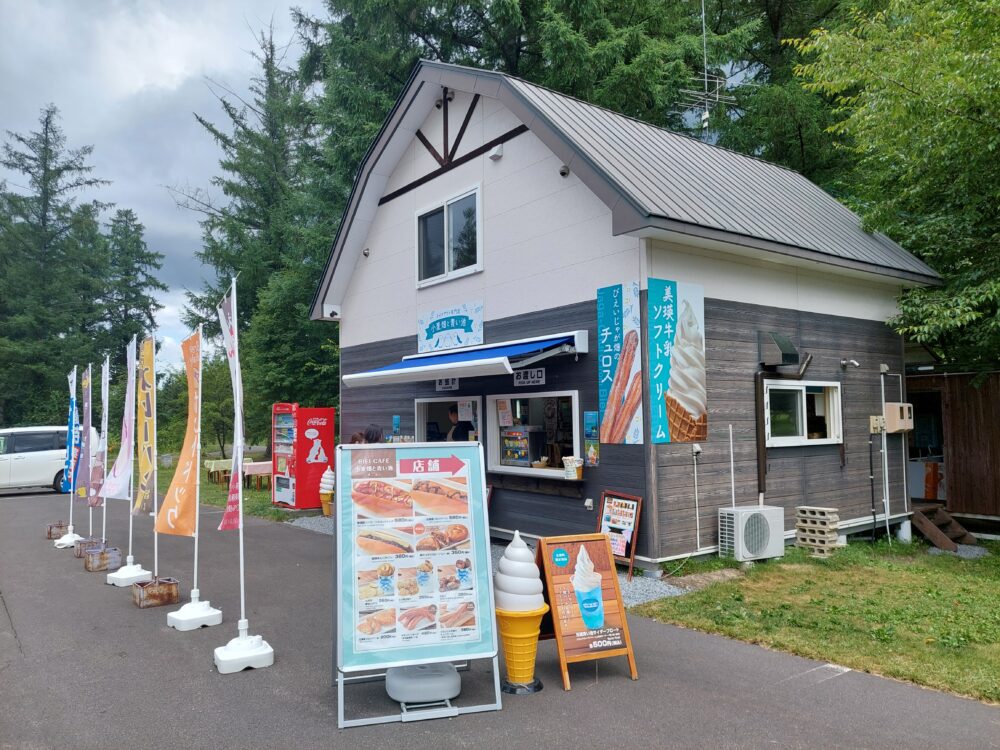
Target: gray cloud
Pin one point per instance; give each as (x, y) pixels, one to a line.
(127, 77)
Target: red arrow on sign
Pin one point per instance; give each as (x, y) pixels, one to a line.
(453, 464)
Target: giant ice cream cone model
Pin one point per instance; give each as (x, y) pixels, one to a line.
(686, 399)
(326, 483)
(517, 587)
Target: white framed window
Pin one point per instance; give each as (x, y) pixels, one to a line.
(450, 238)
(802, 412)
(433, 421)
(545, 424)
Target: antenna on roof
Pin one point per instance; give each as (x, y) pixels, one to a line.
(695, 102)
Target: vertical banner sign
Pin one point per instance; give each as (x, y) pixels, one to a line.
(619, 364)
(72, 437)
(414, 580)
(176, 514)
(101, 459)
(677, 391)
(144, 431)
(119, 481)
(227, 322)
(588, 615)
(86, 446)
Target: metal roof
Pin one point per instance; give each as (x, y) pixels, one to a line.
(651, 178)
(668, 175)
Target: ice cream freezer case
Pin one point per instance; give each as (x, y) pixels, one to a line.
(302, 445)
(519, 446)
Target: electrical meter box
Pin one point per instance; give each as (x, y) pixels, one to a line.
(898, 416)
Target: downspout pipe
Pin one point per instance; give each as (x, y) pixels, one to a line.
(759, 377)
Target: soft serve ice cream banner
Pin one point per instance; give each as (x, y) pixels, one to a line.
(678, 394)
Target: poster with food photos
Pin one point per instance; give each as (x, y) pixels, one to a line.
(414, 581)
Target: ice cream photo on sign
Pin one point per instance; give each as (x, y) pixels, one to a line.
(687, 400)
(587, 585)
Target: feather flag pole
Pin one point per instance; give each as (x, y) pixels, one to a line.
(179, 514)
(70, 538)
(244, 650)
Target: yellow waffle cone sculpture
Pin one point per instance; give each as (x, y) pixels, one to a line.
(519, 635)
(325, 499)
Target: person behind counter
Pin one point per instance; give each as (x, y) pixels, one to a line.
(373, 434)
(459, 430)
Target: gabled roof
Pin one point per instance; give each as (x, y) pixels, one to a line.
(649, 177)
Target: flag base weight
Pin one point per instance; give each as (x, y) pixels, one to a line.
(243, 652)
(195, 614)
(67, 540)
(128, 574)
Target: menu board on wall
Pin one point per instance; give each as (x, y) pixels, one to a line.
(414, 580)
(588, 616)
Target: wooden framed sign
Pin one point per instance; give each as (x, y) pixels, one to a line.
(588, 616)
(619, 519)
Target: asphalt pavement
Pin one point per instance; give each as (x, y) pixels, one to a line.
(82, 667)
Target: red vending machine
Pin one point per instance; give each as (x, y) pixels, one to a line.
(302, 443)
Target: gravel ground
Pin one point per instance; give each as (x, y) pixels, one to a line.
(637, 591)
(965, 551)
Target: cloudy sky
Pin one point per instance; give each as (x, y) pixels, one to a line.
(127, 76)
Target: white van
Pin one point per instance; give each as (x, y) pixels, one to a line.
(35, 456)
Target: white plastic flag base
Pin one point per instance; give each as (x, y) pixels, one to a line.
(128, 574)
(244, 651)
(195, 614)
(67, 540)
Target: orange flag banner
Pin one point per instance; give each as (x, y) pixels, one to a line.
(177, 514)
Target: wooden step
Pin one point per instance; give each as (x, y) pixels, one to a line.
(930, 530)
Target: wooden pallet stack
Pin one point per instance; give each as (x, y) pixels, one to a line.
(817, 530)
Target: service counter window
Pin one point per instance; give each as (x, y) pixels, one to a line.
(799, 412)
(531, 433)
(453, 418)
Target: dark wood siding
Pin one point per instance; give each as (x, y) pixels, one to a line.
(808, 475)
(970, 416)
(544, 507)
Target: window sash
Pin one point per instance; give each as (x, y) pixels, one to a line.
(462, 241)
(831, 408)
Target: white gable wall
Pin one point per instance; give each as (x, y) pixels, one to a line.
(547, 238)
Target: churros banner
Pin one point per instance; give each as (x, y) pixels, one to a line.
(677, 386)
(619, 364)
(414, 581)
(177, 513)
(119, 481)
(146, 430)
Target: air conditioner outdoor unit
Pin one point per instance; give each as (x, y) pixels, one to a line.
(752, 533)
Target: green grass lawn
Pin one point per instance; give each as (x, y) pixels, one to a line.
(255, 502)
(895, 612)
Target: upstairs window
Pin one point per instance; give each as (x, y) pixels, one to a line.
(448, 240)
(802, 413)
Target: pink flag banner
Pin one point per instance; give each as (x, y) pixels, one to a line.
(119, 481)
(227, 322)
(86, 447)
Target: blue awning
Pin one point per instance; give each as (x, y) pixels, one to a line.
(492, 359)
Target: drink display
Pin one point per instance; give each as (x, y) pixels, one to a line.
(302, 443)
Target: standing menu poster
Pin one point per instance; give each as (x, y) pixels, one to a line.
(619, 519)
(588, 616)
(414, 580)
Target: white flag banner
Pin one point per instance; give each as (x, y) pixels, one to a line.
(97, 472)
(119, 480)
(227, 322)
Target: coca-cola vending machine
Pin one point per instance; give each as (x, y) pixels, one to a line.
(302, 445)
